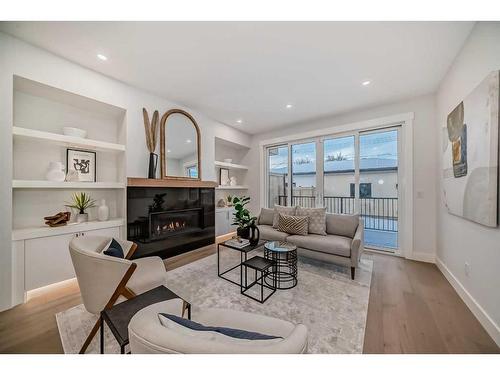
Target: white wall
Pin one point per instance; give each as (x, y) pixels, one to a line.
(19, 58)
(424, 160)
(459, 240)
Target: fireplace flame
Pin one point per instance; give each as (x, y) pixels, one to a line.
(173, 226)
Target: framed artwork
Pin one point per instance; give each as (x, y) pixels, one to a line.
(83, 162)
(470, 155)
(224, 177)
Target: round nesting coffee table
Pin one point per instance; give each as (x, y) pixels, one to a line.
(285, 256)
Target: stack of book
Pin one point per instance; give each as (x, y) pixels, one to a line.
(239, 243)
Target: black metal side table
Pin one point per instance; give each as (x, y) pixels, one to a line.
(262, 265)
(284, 254)
(118, 317)
(243, 257)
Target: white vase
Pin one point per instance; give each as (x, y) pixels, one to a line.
(55, 172)
(103, 211)
(233, 181)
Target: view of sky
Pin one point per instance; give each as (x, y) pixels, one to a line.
(382, 145)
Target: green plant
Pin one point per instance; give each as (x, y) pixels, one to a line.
(81, 201)
(242, 216)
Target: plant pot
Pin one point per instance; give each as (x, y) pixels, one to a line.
(82, 218)
(243, 232)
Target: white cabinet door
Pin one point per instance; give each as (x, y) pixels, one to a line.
(47, 261)
(221, 223)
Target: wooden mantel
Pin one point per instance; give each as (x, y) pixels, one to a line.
(151, 182)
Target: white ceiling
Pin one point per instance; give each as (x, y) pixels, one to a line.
(251, 70)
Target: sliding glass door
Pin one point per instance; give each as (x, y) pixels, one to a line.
(355, 172)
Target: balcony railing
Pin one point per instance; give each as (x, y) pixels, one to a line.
(377, 213)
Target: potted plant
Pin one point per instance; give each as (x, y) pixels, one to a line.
(242, 217)
(81, 201)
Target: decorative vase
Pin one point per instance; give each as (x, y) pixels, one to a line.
(243, 232)
(254, 235)
(153, 163)
(103, 211)
(233, 181)
(82, 218)
(55, 172)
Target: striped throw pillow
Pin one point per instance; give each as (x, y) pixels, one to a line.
(293, 224)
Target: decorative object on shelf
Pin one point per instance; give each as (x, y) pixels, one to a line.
(81, 201)
(83, 162)
(224, 177)
(55, 172)
(72, 175)
(180, 140)
(150, 129)
(57, 220)
(103, 211)
(229, 201)
(74, 132)
(470, 154)
(228, 160)
(233, 181)
(221, 203)
(242, 217)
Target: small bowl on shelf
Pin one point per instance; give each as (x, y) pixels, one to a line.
(74, 132)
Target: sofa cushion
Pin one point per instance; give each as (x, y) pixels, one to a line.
(330, 244)
(267, 232)
(287, 210)
(114, 250)
(342, 224)
(266, 216)
(317, 219)
(293, 224)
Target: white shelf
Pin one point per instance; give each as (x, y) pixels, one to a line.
(46, 231)
(237, 187)
(222, 164)
(67, 140)
(40, 184)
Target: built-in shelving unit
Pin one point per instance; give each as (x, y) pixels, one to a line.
(236, 187)
(46, 231)
(64, 140)
(41, 184)
(222, 164)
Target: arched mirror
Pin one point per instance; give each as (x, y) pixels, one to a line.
(179, 146)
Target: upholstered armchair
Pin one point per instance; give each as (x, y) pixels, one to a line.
(105, 280)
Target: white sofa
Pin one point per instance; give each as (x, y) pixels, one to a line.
(148, 336)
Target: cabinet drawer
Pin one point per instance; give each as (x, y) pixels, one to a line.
(47, 261)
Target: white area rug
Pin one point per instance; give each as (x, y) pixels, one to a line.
(326, 300)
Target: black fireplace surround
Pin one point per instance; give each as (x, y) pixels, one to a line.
(168, 221)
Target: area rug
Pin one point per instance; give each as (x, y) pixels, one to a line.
(326, 300)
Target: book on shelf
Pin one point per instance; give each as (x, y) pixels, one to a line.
(240, 244)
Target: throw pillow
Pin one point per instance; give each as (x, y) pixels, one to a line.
(114, 250)
(266, 216)
(226, 331)
(293, 224)
(287, 210)
(317, 219)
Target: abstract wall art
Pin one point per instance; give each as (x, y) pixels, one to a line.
(470, 155)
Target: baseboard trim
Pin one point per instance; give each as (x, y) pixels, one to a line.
(488, 324)
(422, 257)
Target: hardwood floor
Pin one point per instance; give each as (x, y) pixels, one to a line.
(412, 309)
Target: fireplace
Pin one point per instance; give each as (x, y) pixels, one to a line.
(170, 221)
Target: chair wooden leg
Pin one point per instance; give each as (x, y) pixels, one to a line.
(91, 335)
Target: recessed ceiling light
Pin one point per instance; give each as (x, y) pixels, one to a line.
(366, 83)
(101, 57)
(188, 141)
(289, 106)
(239, 121)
